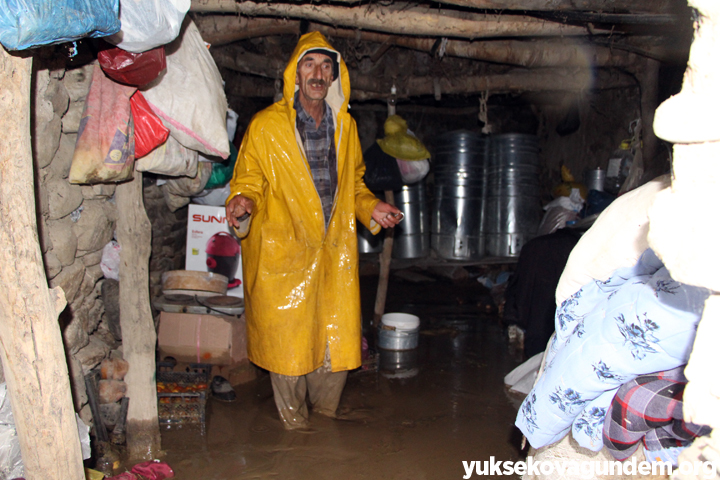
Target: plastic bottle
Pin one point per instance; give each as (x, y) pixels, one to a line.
(618, 167)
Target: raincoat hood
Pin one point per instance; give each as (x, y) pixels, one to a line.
(339, 92)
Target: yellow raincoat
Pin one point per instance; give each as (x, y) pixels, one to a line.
(301, 283)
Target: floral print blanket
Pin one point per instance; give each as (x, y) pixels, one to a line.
(638, 321)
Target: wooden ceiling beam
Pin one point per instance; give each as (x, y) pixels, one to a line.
(615, 6)
(421, 21)
(537, 53)
(370, 87)
(221, 29)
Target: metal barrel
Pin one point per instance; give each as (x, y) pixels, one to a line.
(456, 231)
(513, 205)
(411, 238)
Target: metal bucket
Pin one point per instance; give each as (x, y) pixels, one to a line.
(398, 363)
(411, 238)
(398, 359)
(513, 205)
(398, 339)
(367, 242)
(456, 231)
(398, 331)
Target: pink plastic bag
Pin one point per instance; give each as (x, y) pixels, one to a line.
(154, 470)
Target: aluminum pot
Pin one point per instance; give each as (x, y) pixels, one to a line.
(395, 339)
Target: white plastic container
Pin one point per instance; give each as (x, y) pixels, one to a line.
(401, 321)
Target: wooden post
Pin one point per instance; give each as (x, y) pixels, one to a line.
(385, 259)
(138, 330)
(31, 345)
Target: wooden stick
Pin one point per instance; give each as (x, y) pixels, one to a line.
(385, 258)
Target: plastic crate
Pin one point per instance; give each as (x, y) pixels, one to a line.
(182, 396)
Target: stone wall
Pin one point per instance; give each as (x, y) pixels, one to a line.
(169, 232)
(75, 223)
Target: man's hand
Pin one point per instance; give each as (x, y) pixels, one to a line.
(387, 215)
(236, 208)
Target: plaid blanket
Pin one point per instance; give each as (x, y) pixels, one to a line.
(649, 408)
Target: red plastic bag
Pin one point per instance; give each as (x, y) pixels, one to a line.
(105, 145)
(154, 470)
(150, 132)
(123, 476)
(132, 68)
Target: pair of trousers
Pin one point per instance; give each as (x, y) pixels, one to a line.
(323, 387)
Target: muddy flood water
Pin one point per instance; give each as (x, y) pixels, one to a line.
(416, 417)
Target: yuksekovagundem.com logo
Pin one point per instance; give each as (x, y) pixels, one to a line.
(584, 469)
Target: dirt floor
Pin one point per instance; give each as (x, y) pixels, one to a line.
(416, 417)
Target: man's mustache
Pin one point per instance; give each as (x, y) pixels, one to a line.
(317, 82)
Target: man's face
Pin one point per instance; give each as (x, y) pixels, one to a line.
(314, 76)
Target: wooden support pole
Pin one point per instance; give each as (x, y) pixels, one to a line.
(31, 345)
(134, 234)
(385, 259)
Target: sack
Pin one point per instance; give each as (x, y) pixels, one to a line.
(132, 68)
(381, 170)
(147, 24)
(105, 145)
(29, 23)
(149, 129)
(177, 191)
(170, 158)
(413, 171)
(190, 98)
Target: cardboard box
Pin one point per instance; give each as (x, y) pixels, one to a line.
(213, 339)
(207, 222)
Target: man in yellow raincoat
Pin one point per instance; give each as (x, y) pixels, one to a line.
(299, 176)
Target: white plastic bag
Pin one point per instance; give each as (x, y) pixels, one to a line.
(189, 98)
(413, 171)
(147, 24)
(170, 158)
(110, 260)
(556, 218)
(215, 196)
